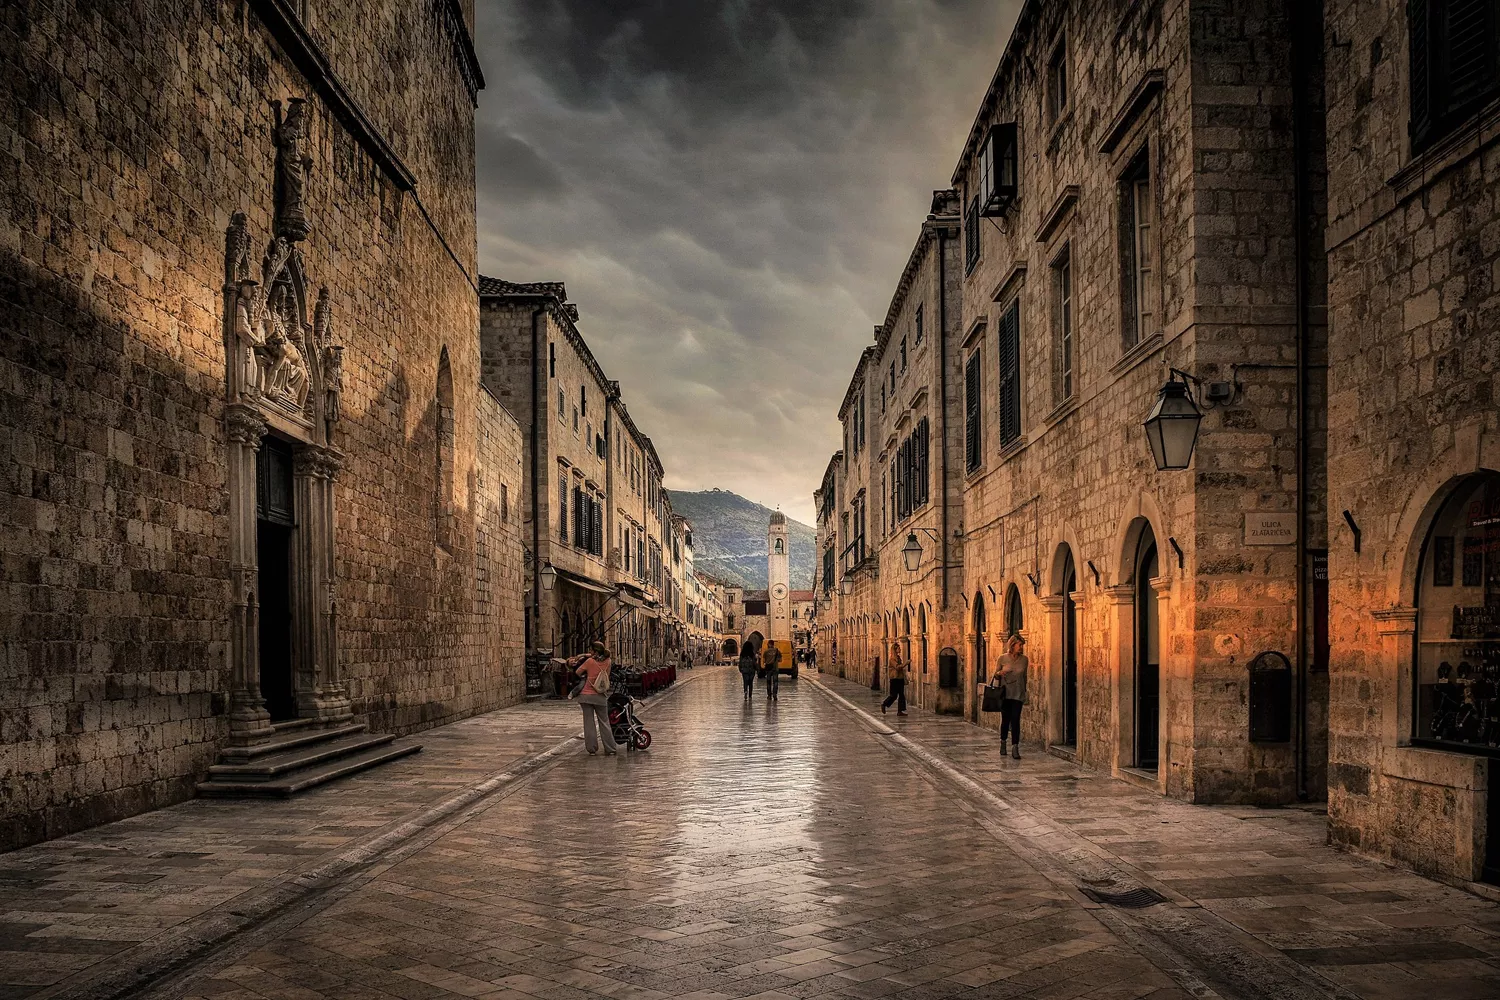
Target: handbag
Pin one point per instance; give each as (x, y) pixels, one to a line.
(993, 696)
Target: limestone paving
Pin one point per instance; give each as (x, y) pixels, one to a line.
(781, 852)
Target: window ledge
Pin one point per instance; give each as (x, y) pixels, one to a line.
(1062, 409)
(1013, 449)
(1452, 150)
(975, 473)
(1140, 352)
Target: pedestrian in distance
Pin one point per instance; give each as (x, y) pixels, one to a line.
(1010, 677)
(897, 675)
(772, 662)
(748, 666)
(593, 667)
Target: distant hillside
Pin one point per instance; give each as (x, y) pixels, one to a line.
(729, 538)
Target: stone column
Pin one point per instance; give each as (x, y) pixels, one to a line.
(1120, 602)
(1397, 627)
(1170, 699)
(1052, 604)
(321, 692)
(249, 722)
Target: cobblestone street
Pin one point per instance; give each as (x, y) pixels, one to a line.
(802, 849)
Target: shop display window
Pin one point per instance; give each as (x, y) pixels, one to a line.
(1457, 697)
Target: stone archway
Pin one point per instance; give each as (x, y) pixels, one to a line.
(755, 641)
(283, 383)
(731, 648)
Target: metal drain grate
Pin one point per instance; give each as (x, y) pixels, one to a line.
(1131, 899)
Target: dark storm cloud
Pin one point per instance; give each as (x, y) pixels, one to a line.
(730, 189)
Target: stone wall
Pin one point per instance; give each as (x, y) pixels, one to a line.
(132, 132)
(1414, 300)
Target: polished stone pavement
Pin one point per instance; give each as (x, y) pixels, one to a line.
(801, 849)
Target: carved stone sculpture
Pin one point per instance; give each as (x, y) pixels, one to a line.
(292, 166)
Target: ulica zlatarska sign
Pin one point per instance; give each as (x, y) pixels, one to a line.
(1270, 527)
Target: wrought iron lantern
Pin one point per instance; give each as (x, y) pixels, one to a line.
(1172, 427)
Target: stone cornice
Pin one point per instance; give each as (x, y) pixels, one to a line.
(1146, 88)
(931, 227)
(1400, 620)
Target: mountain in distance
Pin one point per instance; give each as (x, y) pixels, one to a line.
(729, 539)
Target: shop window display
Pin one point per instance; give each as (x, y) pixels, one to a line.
(1458, 626)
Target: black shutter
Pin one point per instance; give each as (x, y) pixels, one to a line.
(1010, 374)
(578, 540)
(1419, 20)
(1471, 51)
(922, 467)
(971, 414)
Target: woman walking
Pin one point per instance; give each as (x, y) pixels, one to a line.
(748, 663)
(1010, 677)
(897, 675)
(595, 705)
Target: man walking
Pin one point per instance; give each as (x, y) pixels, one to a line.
(772, 663)
(897, 674)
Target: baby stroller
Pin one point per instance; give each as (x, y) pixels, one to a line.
(624, 723)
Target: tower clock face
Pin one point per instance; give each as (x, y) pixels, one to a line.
(778, 591)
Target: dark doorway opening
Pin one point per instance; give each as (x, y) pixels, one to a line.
(274, 523)
(1147, 656)
(1070, 652)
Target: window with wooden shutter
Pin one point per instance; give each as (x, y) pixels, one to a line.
(1452, 63)
(922, 468)
(971, 235)
(578, 518)
(1010, 374)
(562, 506)
(972, 450)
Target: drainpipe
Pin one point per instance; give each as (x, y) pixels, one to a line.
(1300, 26)
(942, 257)
(538, 367)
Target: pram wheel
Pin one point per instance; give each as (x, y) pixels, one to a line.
(621, 735)
(643, 739)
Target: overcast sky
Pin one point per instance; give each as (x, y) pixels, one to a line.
(730, 189)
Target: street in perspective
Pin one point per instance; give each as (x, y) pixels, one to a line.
(750, 499)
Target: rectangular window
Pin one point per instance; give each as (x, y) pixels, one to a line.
(1453, 68)
(919, 323)
(903, 355)
(575, 419)
(882, 397)
(893, 380)
(552, 361)
(1057, 81)
(1062, 326)
(583, 399)
(972, 410)
(580, 539)
(504, 504)
(1010, 374)
(562, 505)
(971, 235)
(562, 408)
(1137, 266)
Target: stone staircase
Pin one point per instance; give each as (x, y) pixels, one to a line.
(302, 755)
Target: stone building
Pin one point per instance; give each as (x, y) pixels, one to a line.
(756, 616)
(826, 566)
(598, 526)
(252, 485)
(1414, 433)
(1141, 197)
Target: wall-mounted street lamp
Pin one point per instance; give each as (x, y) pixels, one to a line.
(1172, 427)
(549, 576)
(846, 585)
(911, 552)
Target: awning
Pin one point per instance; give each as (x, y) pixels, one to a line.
(647, 612)
(583, 582)
(627, 598)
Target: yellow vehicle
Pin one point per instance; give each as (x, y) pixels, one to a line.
(788, 656)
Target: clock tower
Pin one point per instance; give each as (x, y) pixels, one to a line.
(778, 577)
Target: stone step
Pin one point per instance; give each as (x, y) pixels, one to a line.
(303, 755)
(301, 779)
(298, 737)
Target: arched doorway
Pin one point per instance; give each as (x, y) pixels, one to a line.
(1457, 636)
(755, 640)
(981, 654)
(1069, 579)
(731, 648)
(906, 637)
(1147, 654)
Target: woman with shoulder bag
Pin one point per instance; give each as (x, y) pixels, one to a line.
(1010, 678)
(593, 667)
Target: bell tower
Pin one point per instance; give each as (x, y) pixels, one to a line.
(778, 577)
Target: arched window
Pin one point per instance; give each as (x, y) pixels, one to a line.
(444, 423)
(1015, 621)
(981, 654)
(1458, 621)
(778, 546)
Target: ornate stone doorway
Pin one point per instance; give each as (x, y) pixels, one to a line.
(275, 520)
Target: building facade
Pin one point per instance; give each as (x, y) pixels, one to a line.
(1414, 434)
(608, 554)
(1141, 203)
(253, 485)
